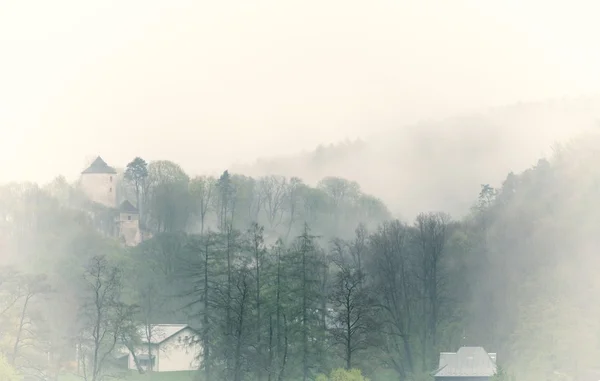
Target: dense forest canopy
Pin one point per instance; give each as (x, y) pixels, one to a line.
(285, 281)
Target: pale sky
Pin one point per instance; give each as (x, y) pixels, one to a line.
(209, 83)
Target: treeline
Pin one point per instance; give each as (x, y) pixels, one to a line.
(438, 164)
(517, 276)
(382, 299)
(171, 201)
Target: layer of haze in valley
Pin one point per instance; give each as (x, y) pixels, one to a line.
(310, 186)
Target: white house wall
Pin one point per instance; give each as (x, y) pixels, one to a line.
(176, 353)
(173, 354)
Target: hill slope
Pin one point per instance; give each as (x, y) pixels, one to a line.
(439, 165)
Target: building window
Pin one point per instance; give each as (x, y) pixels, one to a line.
(129, 218)
(110, 179)
(110, 190)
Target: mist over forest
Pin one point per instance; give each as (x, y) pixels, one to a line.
(284, 280)
(299, 191)
(438, 164)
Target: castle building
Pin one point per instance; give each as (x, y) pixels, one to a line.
(129, 224)
(99, 184)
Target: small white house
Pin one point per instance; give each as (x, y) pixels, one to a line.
(167, 347)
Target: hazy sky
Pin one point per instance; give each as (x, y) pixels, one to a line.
(208, 83)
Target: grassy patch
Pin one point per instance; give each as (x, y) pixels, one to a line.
(152, 376)
(164, 376)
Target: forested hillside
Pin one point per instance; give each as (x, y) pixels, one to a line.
(284, 281)
(438, 164)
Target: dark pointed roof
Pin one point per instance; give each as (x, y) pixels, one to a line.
(99, 166)
(127, 207)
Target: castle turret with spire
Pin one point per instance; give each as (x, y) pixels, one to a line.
(99, 184)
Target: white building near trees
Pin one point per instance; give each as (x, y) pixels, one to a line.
(99, 183)
(166, 348)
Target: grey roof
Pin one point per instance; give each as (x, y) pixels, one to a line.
(467, 362)
(99, 166)
(127, 207)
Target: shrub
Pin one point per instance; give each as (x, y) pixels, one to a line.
(7, 372)
(343, 375)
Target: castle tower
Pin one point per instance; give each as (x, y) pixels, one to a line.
(99, 183)
(129, 224)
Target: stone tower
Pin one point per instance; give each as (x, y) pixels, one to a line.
(99, 183)
(129, 224)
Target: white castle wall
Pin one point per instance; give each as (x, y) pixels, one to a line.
(100, 188)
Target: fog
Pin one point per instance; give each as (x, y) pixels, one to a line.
(210, 84)
(448, 164)
(441, 164)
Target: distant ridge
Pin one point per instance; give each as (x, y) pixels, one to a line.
(440, 165)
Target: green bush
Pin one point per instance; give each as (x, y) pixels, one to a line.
(7, 372)
(343, 375)
(500, 375)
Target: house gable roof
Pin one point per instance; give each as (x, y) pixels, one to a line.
(466, 362)
(127, 207)
(159, 333)
(99, 166)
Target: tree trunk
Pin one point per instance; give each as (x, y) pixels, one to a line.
(304, 317)
(409, 356)
(278, 302)
(285, 350)
(348, 334)
(270, 360)
(260, 364)
(20, 330)
(135, 359)
(205, 341)
(149, 334)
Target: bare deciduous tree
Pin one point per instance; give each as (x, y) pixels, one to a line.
(358, 248)
(241, 306)
(202, 193)
(293, 199)
(394, 285)
(30, 286)
(103, 317)
(258, 250)
(431, 237)
(274, 191)
(351, 307)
